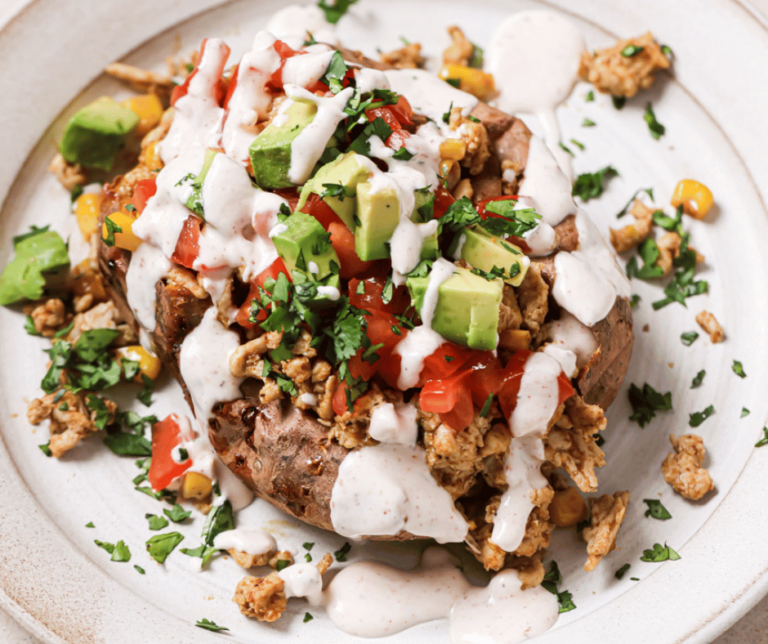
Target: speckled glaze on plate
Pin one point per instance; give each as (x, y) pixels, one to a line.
(65, 590)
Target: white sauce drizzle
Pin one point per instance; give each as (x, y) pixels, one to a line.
(197, 119)
(428, 94)
(387, 488)
(422, 341)
(308, 146)
(568, 333)
(250, 102)
(565, 357)
(395, 424)
(293, 23)
(250, 540)
(204, 364)
(546, 49)
(538, 396)
(581, 290)
(303, 580)
(148, 265)
(546, 185)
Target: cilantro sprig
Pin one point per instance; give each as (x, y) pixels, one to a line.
(591, 185)
(646, 402)
(552, 581)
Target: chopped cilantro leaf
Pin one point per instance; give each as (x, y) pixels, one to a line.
(337, 190)
(177, 514)
(204, 552)
(334, 74)
(90, 525)
(656, 510)
(341, 553)
(698, 379)
(112, 228)
(307, 557)
(487, 406)
(219, 519)
(334, 10)
(588, 123)
(162, 545)
(659, 553)
(453, 82)
(666, 50)
(125, 444)
(140, 570)
(622, 571)
(744, 412)
(625, 209)
(45, 448)
(208, 625)
(447, 115)
(145, 395)
(764, 439)
(29, 326)
(689, 337)
(631, 50)
(738, 369)
(619, 101)
(564, 147)
(634, 300)
(308, 617)
(578, 144)
(590, 96)
(591, 184)
(308, 545)
(156, 522)
(646, 402)
(402, 155)
(656, 129)
(281, 564)
(551, 582)
(698, 417)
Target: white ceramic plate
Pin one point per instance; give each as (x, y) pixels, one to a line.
(65, 589)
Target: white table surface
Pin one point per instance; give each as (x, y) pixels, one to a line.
(752, 629)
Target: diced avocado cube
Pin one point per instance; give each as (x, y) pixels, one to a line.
(378, 214)
(41, 260)
(270, 152)
(97, 132)
(482, 250)
(467, 310)
(305, 248)
(341, 177)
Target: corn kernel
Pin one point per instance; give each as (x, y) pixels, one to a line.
(151, 158)
(124, 239)
(453, 149)
(149, 365)
(86, 280)
(196, 486)
(87, 213)
(515, 339)
(695, 198)
(150, 111)
(475, 81)
(567, 508)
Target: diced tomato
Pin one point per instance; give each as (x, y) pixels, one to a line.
(321, 211)
(565, 388)
(163, 471)
(321, 87)
(380, 329)
(451, 398)
(445, 362)
(480, 205)
(397, 139)
(343, 241)
(339, 400)
(371, 297)
(510, 385)
(232, 85)
(274, 269)
(384, 113)
(219, 89)
(443, 200)
(275, 82)
(402, 111)
(188, 244)
(144, 189)
(291, 195)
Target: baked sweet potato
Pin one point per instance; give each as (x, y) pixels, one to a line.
(285, 455)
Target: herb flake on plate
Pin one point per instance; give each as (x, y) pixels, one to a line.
(659, 553)
(656, 510)
(698, 417)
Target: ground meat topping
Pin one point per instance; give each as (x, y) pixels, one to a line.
(611, 72)
(69, 175)
(261, 597)
(626, 238)
(607, 514)
(709, 323)
(408, 57)
(460, 51)
(682, 468)
(475, 138)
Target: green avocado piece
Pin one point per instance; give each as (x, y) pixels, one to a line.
(270, 152)
(97, 132)
(378, 214)
(40, 261)
(482, 250)
(305, 248)
(340, 177)
(467, 310)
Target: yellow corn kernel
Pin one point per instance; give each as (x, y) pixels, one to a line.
(149, 365)
(567, 508)
(695, 198)
(515, 339)
(150, 157)
(475, 81)
(125, 239)
(87, 280)
(196, 486)
(453, 150)
(150, 111)
(87, 213)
